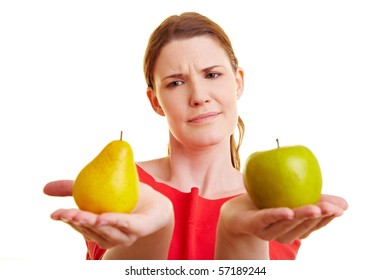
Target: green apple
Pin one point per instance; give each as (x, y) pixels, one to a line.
(283, 177)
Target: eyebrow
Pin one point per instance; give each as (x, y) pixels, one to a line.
(179, 75)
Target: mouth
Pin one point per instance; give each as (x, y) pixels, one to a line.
(204, 117)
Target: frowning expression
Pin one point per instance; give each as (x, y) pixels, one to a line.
(196, 88)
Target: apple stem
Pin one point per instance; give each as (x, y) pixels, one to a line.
(277, 142)
(121, 135)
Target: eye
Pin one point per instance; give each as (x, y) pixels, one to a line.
(212, 75)
(175, 84)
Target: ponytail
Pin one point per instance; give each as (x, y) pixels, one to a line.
(234, 147)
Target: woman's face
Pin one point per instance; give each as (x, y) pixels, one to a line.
(196, 89)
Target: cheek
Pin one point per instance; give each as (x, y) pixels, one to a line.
(229, 101)
(229, 91)
(174, 114)
(167, 106)
(231, 111)
(172, 110)
(233, 119)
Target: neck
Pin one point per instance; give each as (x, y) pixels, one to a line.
(207, 168)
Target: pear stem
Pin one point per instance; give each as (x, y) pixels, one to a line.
(277, 142)
(121, 135)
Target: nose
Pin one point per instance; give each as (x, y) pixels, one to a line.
(199, 95)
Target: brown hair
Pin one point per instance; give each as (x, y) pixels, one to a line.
(185, 26)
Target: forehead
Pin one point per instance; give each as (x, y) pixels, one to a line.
(201, 51)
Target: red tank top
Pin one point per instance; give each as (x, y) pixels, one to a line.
(196, 221)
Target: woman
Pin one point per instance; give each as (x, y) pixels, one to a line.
(193, 203)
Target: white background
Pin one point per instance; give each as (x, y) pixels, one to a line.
(317, 74)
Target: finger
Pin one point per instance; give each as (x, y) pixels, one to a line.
(266, 219)
(114, 236)
(59, 188)
(74, 219)
(336, 200)
(307, 212)
(305, 220)
(85, 223)
(300, 231)
(279, 229)
(330, 209)
(82, 230)
(274, 215)
(135, 224)
(104, 234)
(75, 216)
(323, 222)
(93, 234)
(89, 233)
(63, 214)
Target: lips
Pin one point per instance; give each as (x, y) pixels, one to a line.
(204, 117)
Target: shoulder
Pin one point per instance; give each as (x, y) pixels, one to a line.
(157, 168)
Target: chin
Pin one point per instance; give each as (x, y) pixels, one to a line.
(208, 141)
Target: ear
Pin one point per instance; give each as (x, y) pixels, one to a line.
(240, 82)
(154, 101)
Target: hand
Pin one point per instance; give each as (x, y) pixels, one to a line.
(153, 214)
(281, 224)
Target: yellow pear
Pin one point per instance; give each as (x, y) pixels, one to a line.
(109, 183)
